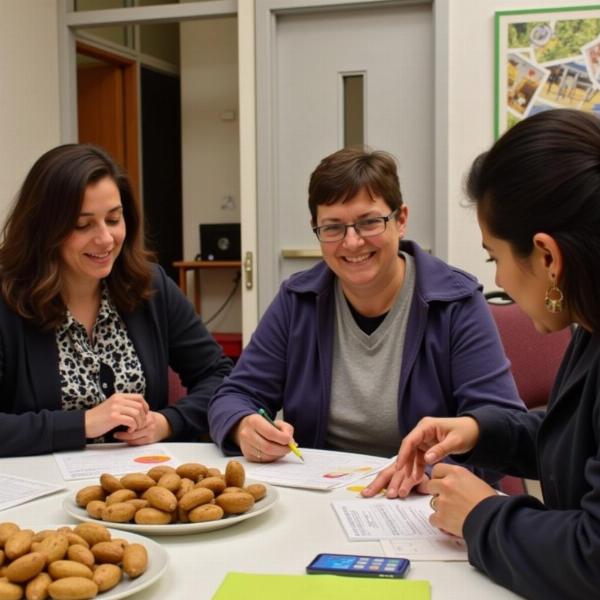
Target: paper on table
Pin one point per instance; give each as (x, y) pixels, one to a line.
(241, 586)
(111, 458)
(446, 548)
(321, 469)
(17, 490)
(380, 518)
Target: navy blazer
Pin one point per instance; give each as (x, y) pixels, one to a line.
(165, 332)
(549, 550)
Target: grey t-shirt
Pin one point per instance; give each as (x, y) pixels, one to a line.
(363, 413)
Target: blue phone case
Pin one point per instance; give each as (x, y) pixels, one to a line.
(356, 565)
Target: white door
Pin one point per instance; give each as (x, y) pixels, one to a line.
(303, 59)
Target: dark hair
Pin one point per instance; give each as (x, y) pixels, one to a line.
(343, 174)
(543, 176)
(44, 214)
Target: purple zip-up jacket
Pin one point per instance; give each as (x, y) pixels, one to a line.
(453, 360)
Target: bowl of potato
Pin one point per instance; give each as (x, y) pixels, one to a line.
(76, 562)
(191, 498)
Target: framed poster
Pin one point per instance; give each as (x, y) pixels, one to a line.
(546, 58)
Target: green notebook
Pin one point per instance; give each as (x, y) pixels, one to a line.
(242, 586)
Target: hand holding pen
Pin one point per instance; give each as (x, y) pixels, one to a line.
(263, 440)
(291, 445)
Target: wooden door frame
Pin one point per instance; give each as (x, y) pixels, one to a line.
(130, 106)
(69, 20)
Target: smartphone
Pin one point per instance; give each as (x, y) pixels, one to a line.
(362, 566)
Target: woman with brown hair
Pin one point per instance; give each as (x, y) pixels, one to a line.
(88, 325)
(360, 347)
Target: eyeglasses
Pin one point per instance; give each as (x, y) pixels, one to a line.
(336, 232)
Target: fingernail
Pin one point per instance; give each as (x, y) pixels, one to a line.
(430, 456)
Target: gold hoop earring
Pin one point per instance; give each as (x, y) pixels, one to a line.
(554, 299)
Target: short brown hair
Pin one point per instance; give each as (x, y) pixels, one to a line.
(44, 214)
(343, 174)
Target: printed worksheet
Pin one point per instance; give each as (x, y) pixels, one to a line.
(17, 490)
(380, 518)
(321, 469)
(446, 547)
(116, 459)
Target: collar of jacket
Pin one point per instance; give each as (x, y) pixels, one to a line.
(435, 280)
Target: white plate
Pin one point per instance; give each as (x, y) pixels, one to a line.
(158, 561)
(259, 507)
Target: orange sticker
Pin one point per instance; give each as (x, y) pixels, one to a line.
(152, 458)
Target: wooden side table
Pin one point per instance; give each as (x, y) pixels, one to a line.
(196, 266)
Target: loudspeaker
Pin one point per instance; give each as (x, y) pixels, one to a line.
(220, 241)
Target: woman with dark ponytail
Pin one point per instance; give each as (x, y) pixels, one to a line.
(537, 195)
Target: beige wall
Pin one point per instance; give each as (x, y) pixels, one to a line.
(471, 114)
(29, 104)
(210, 148)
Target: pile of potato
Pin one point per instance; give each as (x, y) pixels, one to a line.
(65, 564)
(192, 493)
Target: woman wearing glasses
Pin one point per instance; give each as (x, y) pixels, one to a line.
(357, 349)
(88, 325)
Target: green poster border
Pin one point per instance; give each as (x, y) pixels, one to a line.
(504, 13)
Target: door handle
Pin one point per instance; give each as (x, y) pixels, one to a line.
(248, 270)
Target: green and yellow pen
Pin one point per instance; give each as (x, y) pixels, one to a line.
(292, 446)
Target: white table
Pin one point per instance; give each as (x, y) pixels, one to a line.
(282, 540)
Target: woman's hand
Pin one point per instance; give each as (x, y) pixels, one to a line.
(395, 483)
(434, 439)
(259, 441)
(157, 428)
(129, 410)
(456, 492)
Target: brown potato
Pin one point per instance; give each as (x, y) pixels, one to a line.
(232, 490)
(157, 472)
(68, 568)
(205, 512)
(1, 557)
(54, 547)
(120, 512)
(6, 530)
(192, 471)
(108, 552)
(89, 493)
(120, 496)
(42, 535)
(25, 567)
(18, 544)
(184, 488)
(161, 498)
(138, 502)
(196, 497)
(37, 588)
(93, 533)
(171, 481)
(73, 588)
(138, 482)
(73, 538)
(235, 504)
(95, 508)
(235, 476)
(107, 576)
(81, 554)
(213, 472)
(152, 516)
(10, 591)
(258, 490)
(215, 484)
(135, 560)
(110, 483)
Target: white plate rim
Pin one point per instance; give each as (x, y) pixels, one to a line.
(156, 553)
(263, 505)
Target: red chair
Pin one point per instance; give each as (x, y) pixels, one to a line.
(534, 358)
(176, 388)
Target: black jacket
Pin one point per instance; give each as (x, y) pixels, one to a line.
(549, 550)
(165, 332)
